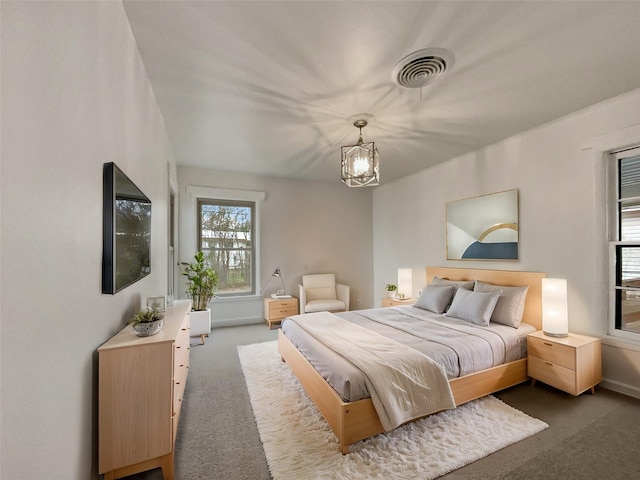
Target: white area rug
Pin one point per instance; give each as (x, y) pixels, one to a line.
(299, 444)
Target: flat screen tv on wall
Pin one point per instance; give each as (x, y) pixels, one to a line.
(126, 245)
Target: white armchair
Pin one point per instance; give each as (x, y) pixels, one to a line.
(321, 293)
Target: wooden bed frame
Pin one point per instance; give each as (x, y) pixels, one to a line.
(355, 421)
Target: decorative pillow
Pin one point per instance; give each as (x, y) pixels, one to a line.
(474, 307)
(468, 284)
(435, 298)
(510, 306)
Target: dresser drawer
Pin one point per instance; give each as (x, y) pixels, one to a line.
(282, 312)
(552, 374)
(556, 353)
(283, 304)
(178, 393)
(182, 350)
(180, 365)
(179, 383)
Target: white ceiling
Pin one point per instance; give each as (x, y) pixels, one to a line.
(269, 86)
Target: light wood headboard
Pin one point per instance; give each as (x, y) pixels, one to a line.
(533, 304)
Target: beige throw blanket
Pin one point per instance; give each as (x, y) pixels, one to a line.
(404, 384)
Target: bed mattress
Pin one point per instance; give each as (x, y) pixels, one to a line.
(460, 347)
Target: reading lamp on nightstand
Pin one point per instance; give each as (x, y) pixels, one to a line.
(276, 273)
(405, 282)
(555, 320)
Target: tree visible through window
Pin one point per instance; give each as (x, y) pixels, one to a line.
(226, 237)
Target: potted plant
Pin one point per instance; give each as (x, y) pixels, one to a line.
(391, 288)
(148, 321)
(202, 281)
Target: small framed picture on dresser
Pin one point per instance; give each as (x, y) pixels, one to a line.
(158, 302)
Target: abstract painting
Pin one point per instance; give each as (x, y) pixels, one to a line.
(484, 227)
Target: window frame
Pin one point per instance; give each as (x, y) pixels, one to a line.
(189, 246)
(252, 249)
(616, 245)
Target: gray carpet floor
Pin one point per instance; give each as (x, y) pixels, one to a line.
(589, 436)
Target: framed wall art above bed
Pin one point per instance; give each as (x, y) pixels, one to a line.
(484, 227)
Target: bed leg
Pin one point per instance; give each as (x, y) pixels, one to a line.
(282, 359)
(344, 449)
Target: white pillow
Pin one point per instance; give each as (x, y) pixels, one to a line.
(474, 307)
(435, 298)
(510, 306)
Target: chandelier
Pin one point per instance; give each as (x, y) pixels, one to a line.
(360, 161)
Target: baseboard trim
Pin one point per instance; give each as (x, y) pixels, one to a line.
(236, 322)
(619, 387)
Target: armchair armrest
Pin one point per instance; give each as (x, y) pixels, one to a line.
(302, 298)
(343, 293)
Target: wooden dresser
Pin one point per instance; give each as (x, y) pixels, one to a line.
(140, 386)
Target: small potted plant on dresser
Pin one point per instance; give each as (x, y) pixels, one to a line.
(202, 281)
(147, 322)
(391, 288)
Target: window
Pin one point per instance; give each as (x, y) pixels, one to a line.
(226, 235)
(625, 241)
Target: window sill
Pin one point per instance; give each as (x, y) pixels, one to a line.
(238, 298)
(618, 342)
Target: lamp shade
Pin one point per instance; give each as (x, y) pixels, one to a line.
(405, 282)
(555, 319)
(276, 273)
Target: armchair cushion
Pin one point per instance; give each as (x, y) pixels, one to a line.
(320, 287)
(324, 306)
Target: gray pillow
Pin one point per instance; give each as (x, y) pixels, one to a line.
(474, 307)
(435, 298)
(468, 284)
(510, 306)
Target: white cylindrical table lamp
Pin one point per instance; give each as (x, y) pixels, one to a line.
(405, 282)
(555, 318)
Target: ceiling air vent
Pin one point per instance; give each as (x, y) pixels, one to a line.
(423, 67)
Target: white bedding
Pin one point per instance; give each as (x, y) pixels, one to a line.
(445, 340)
(404, 384)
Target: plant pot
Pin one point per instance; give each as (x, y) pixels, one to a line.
(147, 329)
(200, 323)
(391, 294)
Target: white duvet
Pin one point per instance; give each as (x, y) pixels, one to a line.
(404, 384)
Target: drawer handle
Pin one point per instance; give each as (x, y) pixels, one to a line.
(178, 346)
(550, 364)
(548, 344)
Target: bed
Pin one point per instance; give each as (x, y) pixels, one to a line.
(355, 420)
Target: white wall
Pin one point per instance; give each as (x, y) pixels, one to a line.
(305, 227)
(562, 214)
(74, 96)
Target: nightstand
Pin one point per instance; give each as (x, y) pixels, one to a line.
(572, 364)
(394, 302)
(275, 309)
